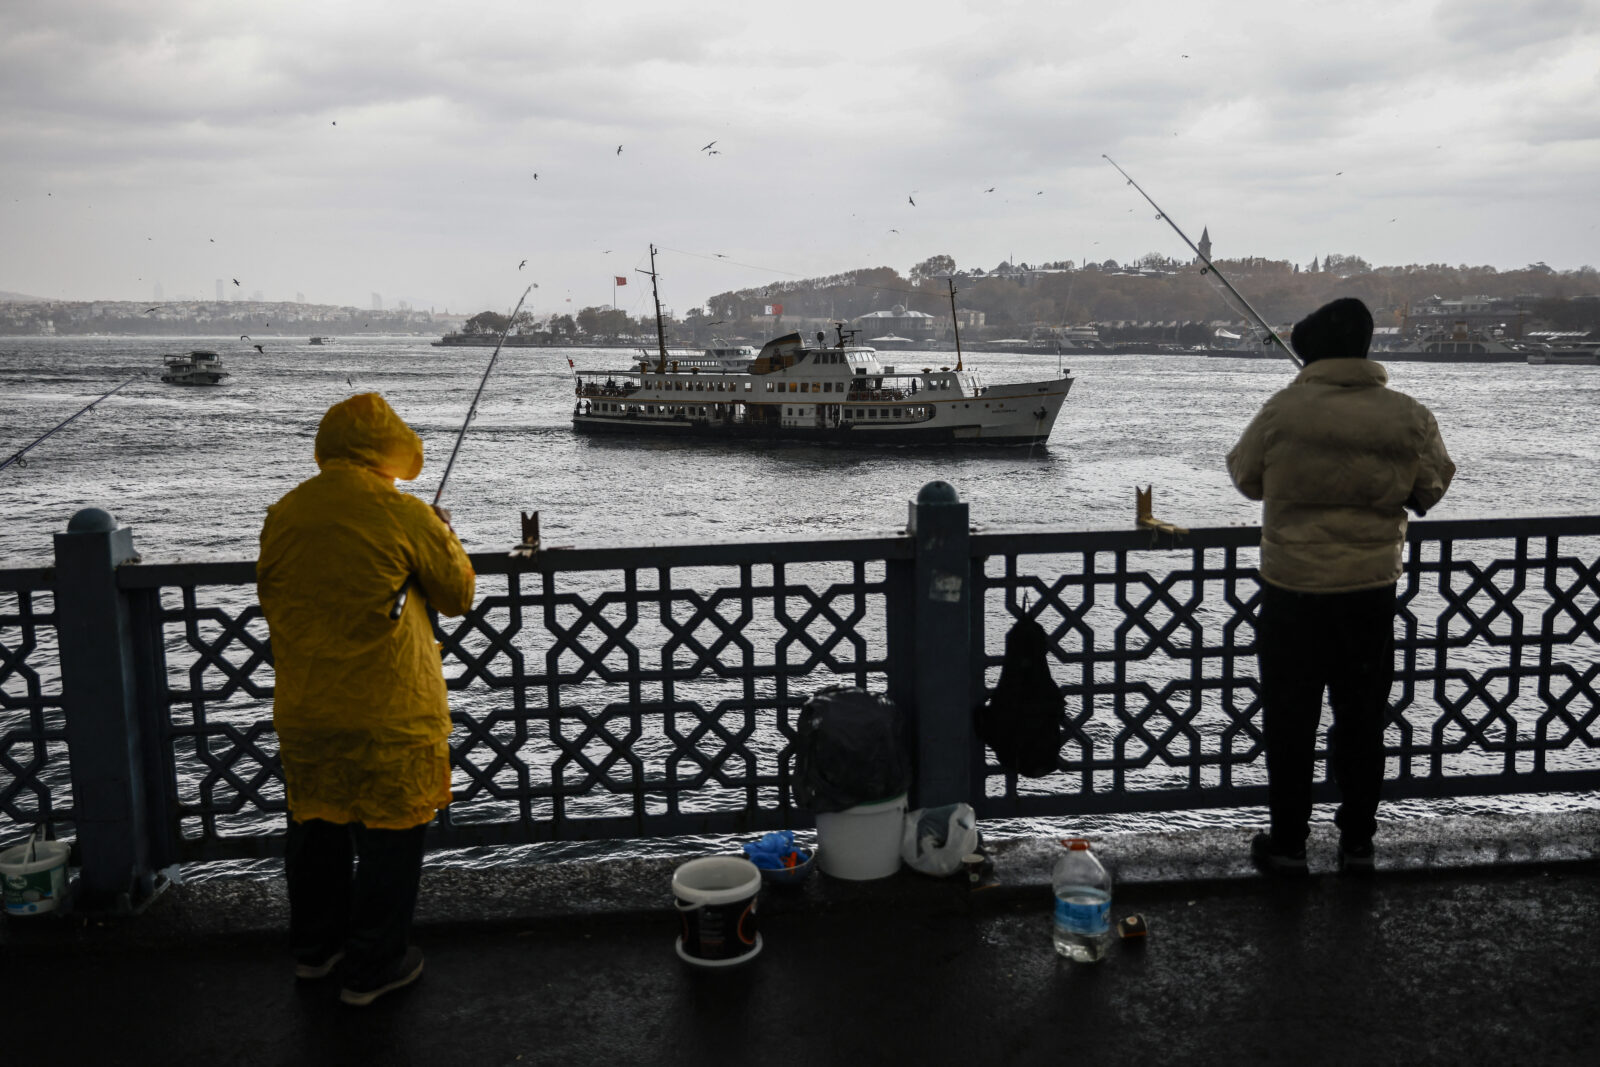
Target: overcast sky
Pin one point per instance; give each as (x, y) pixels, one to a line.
(342, 148)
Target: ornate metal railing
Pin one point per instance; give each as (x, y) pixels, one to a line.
(642, 692)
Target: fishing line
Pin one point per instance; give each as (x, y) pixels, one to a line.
(17, 457)
(1243, 306)
(472, 410)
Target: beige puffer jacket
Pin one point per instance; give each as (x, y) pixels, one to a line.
(1334, 458)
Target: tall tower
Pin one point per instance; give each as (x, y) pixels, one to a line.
(1205, 243)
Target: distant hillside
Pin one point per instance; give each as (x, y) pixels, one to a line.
(16, 298)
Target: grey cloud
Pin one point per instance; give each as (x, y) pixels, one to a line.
(1497, 27)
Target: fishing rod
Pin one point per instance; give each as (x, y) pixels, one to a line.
(472, 410)
(1211, 268)
(17, 456)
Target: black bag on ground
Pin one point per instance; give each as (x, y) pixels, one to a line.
(1022, 720)
(850, 749)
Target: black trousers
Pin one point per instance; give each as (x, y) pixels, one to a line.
(352, 888)
(1305, 643)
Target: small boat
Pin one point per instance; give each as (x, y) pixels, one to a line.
(322, 340)
(196, 368)
(1575, 356)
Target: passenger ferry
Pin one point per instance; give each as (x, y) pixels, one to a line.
(196, 368)
(838, 392)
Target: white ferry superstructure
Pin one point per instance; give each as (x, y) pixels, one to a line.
(840, 393)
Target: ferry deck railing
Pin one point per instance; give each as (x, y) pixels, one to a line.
(654, 691)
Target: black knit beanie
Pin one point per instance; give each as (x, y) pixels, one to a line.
(1340, 330)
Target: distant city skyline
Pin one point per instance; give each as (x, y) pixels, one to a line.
(451, 158)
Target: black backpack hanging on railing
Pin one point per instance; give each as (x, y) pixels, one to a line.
(1021, 722)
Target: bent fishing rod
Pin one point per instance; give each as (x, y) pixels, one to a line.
(16, 457)
(1211, 268)
(472, 411)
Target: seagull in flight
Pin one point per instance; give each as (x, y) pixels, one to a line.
(147, 311)
(990, 189)
(619, 150)
(260, 348)
(707, 147)
(912, 202)
(894, 231)
(244, 337)
(236, 281)
(524, 263)
(535, 175)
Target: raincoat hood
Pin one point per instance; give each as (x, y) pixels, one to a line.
(364, 430)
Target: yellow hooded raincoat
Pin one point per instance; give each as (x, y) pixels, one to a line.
(361, 712)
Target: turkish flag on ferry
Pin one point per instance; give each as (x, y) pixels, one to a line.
(620, 279)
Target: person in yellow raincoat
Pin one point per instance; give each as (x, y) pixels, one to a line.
(360, 707)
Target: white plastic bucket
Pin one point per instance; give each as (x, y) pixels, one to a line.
(716, 901)
(862, 842)
(36, 885)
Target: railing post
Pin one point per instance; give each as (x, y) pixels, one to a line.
(941, 630)
(98, 685)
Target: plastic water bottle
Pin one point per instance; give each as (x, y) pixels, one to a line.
(1082, 924)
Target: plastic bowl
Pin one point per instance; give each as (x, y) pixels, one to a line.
(790, 875)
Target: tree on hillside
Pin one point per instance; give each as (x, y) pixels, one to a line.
(485, 322)
(933, 267)
(604, 322)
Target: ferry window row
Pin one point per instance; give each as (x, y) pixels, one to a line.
(807, 387)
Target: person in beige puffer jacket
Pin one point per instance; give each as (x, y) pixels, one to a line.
(1336, 458)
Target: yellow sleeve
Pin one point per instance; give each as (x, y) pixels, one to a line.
(442, 567)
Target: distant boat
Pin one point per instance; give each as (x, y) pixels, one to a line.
(196, 368)
(1458, 345)
(322, 340)
(1583, 357)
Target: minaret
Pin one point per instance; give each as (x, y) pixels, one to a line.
(1205, 243)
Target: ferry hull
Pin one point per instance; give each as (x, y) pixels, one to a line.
(1005, 415)
(874, 436)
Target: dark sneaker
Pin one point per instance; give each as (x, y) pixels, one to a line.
(315, 968)
(1276, 861)
(1356, 857)
(407, 970)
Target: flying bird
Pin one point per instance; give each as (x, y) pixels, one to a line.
(1337, 173)
(260, 348)
(147, 311)
(524, 263)
(707, 147)
(990, 189)
(334, 124)
(236, 281)
(619, 150)
(720, 255)
(213, 240)
(244, 337)
(913, 202)
(1041, 191)
(894, 231)
(535, 175)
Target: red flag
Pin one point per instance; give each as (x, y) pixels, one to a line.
(774, 309)
(620, 279)
(571, 364)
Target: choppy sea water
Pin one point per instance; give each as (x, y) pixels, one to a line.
(193, 469)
